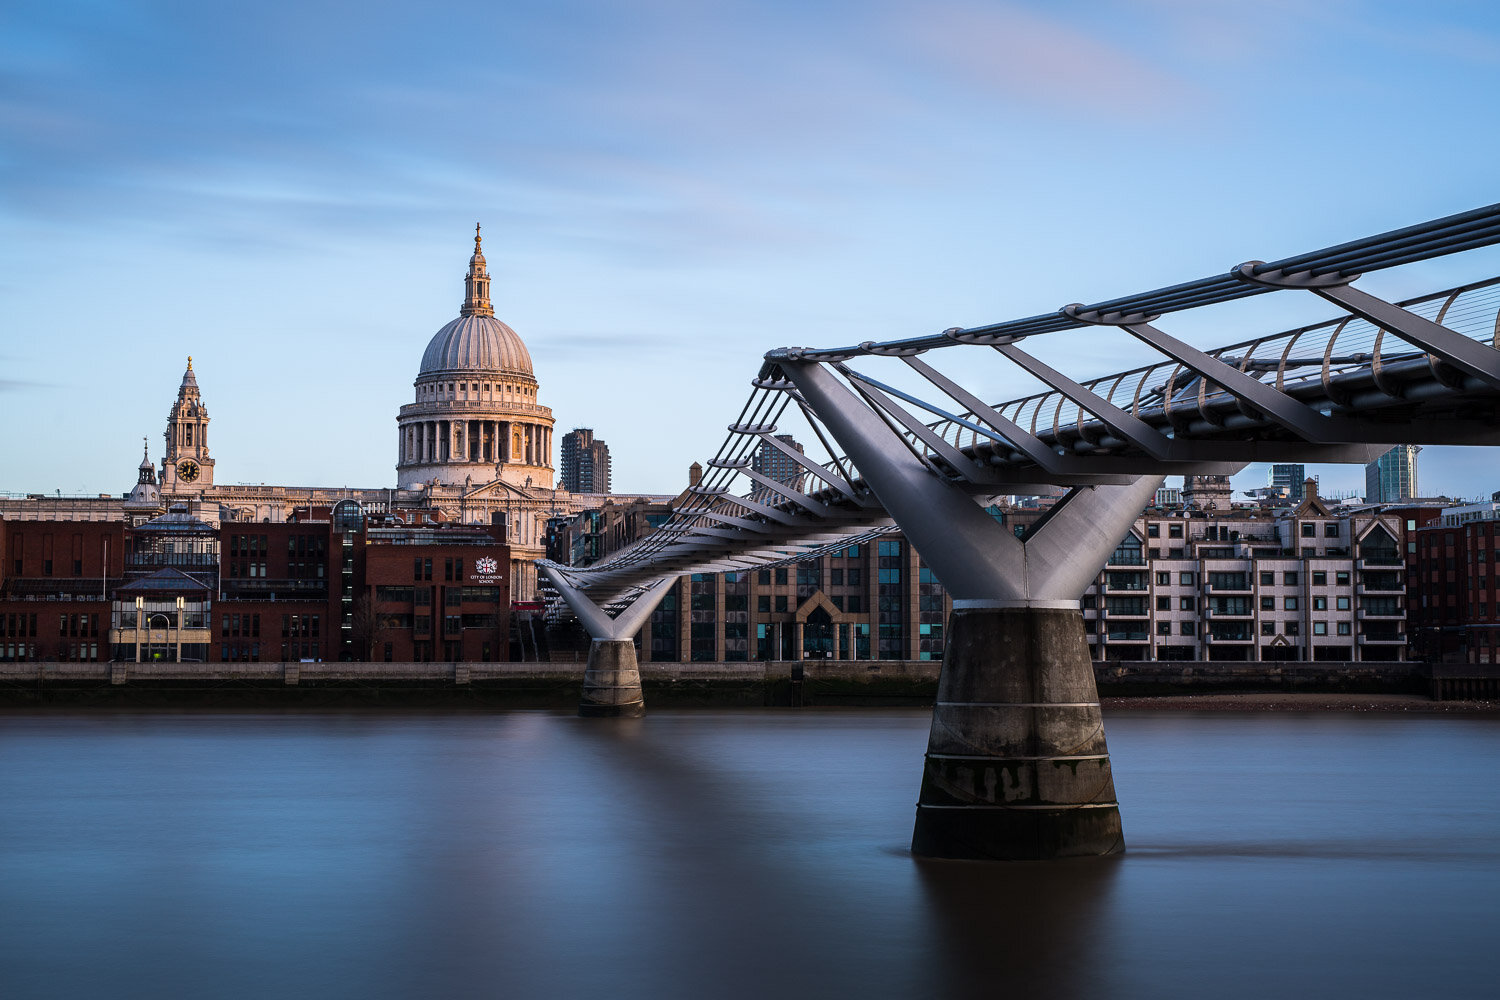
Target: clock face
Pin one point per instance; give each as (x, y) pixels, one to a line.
(187, 471)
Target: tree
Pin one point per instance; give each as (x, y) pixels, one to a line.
(367, 627)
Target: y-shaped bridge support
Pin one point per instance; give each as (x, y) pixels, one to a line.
(611, 677)
(1017, 766)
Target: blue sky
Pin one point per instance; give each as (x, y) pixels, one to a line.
(287, 191)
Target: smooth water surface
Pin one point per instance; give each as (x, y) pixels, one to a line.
(727, 854)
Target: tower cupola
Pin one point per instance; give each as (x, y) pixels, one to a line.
(477, 283)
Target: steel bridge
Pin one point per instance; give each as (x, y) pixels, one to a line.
(1017, 765)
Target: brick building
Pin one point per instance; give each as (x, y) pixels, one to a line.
(56, 582)
(439, 593)
(1456, 610)
(329, 584)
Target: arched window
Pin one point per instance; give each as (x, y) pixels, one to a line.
(1128, 552)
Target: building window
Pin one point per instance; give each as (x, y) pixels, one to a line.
(1174, 531)
(1289, 604)
(1320, 628)
(1309, 530)
(1319, 578)
(1320, 604)
(1268, 604)
(1163, 628)
(1289, 579)
(1267, 628)
(1343, 628)
(1186, 579)
(1341, 603)
(1128, 552)
(1341, 577)
(1268, 579)
(1187, 604)
(1164, 579)
(1291, 628)
(1189, 628)
(1163, 604)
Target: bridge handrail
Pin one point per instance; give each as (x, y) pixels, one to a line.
(714, 529)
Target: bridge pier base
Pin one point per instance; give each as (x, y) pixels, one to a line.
(1017, 767)
(612, 681)
(611, 677)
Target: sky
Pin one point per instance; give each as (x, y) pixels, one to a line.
(287, 191)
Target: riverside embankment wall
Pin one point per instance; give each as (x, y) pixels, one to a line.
(557, 684)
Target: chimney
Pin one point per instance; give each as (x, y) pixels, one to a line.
(695, 473)
(1310, 489)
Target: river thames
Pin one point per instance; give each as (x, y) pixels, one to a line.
(728, 854)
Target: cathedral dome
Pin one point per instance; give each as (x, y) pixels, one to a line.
(476, 344)
(476, 341)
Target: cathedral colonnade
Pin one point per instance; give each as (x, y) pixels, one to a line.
(484, 441)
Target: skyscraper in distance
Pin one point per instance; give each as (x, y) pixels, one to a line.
(585, 462)
(773, 463)
(1392, 476)
(1290, 479)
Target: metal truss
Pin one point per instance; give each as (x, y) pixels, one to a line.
(1421, 371)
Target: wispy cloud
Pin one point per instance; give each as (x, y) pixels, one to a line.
(1023, 57)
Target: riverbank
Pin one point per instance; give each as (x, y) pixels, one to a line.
(1269, 701)
(1226, 687)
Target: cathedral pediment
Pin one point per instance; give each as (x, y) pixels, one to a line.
(499, 489)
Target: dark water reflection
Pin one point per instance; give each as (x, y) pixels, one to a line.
(726, 855)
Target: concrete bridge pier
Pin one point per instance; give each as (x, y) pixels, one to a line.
(1017, 767)
(611, 677)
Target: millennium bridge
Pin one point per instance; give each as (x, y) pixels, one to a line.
(1017, 765)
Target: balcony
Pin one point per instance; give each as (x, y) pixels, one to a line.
(1381, 614)
(1243, 587)
(1125, 587)
(1228, 638)
(1229, 615)
(1383, 640)
(1127, 635)
(1379, 588)
(1381, 562)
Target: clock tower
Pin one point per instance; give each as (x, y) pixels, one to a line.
(187, 467)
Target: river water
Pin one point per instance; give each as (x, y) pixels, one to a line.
(728, 854)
